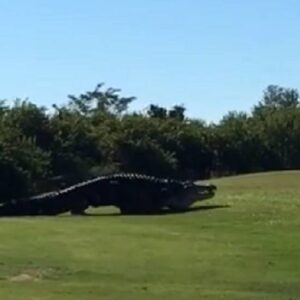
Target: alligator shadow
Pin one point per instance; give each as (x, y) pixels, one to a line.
(159, 213)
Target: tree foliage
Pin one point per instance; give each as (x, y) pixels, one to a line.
(95, 134)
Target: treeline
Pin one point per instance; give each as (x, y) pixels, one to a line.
(94, 134)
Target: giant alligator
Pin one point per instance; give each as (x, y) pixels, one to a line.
(131, 193)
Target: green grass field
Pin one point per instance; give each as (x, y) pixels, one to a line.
(243, 244)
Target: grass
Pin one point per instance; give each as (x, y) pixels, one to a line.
(249, 248)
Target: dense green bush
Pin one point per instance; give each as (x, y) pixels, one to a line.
(23, 167)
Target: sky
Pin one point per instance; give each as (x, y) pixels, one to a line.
(212, 56)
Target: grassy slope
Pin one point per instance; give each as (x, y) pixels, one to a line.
(250, 250)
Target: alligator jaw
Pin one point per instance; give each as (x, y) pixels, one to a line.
(205, 191)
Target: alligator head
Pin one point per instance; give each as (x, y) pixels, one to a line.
(190, 193)
(204, 191)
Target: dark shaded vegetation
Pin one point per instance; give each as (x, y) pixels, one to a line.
(94, 134)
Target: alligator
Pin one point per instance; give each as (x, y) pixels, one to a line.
(131, 193)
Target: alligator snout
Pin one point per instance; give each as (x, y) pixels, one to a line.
(208, 187)
(206, 191)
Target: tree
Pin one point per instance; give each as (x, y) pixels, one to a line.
(177, 112)
(139, 147)
(159, 112)
(156, 111)
(238, 147)
(108, 101)
(276, 98)
(75, 146)
(23, 165)
(30, 120)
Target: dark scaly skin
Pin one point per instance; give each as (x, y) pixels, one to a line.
(131, 193)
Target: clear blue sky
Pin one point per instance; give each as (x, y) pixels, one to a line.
(212, 56)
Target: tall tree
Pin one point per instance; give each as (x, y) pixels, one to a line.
(107, 101)
(276, 98)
